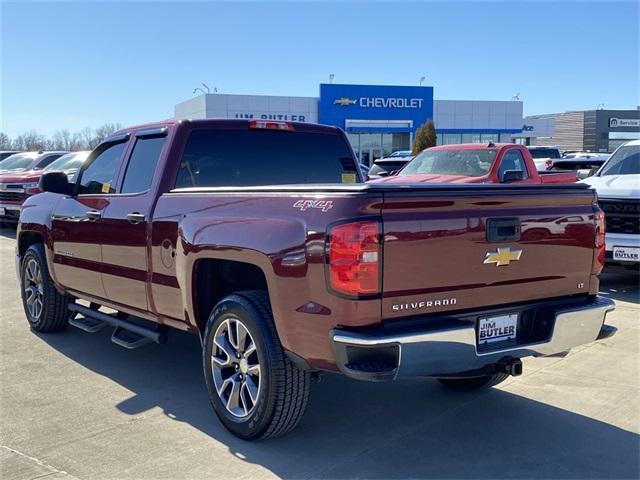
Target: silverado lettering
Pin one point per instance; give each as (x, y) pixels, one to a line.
(155, 233)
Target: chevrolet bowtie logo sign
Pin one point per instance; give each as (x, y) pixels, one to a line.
(344, 101)
(503, 256)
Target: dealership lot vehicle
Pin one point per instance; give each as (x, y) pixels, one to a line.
(476, 163)
(543, 156)
(6, 153)
(401, 154)
(283, 281)
(618, 187)
(585, 164)
(16, 187)
(384, 167)
(23, 161)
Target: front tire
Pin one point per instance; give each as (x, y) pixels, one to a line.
(45, 307)
(255, 390)
(473, 383)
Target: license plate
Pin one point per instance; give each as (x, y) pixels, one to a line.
(497, 329)
(627, 254)
(3, 211)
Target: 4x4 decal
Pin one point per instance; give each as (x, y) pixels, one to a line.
(323, 205)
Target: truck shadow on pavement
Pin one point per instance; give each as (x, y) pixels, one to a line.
(356, 429)
(621, 286)
(8, 232)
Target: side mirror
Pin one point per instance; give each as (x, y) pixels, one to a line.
(510, 176)
(55, 182)
(383, 173)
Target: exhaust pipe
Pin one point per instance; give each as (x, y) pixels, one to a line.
(512, 367)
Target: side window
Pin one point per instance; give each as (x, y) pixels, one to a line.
(513, 160)
(142, 164)
(98, 176)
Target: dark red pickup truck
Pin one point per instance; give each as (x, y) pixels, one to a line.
(252, 235)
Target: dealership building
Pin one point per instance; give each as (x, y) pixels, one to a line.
(590, 130)
(378, 119)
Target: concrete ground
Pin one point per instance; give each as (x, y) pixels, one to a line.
(75, 405)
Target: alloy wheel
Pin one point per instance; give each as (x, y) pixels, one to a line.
(236, 367)
(33, 289)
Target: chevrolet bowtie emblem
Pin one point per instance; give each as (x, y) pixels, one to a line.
(344, 101)
(503, 256)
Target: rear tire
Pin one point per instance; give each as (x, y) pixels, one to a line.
(255, 390)
(44, 306)
(473, 383)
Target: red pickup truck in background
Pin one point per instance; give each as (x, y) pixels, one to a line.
(476, 163)
(254, 236)
(17, 186)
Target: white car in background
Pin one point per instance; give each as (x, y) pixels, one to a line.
(543, 156)
(618, 186)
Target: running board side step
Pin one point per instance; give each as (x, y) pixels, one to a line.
(87, 324)
(127, 334)
(128, 339)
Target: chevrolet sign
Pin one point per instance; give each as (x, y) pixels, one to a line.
(380, 102)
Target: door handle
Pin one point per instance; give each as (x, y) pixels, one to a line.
(135, 217)
(94, 215)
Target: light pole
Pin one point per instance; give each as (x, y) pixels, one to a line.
(331, 77)
(422, 79)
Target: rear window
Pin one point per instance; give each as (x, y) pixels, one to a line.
(544, 152)
(390, 166)
(219, 158)
(469, 163)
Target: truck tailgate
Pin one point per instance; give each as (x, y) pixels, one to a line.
(460, 249)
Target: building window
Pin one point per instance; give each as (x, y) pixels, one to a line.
(489, 137)
(618, 138)
(449, 138)
(371, 146)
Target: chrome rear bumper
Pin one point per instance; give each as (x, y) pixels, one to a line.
(445, 351)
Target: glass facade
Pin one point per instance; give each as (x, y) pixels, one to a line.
(618, 138)
(451, 138)
(371, 146)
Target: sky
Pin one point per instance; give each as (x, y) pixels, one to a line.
(78, 64)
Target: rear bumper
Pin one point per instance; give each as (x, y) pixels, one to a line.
(449, 348)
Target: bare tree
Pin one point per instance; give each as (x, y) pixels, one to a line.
(104, 131)
(85, 139)
(5, 141)
(30, 140)
(65, 140)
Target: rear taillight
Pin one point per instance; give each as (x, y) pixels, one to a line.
(354, 259)
(599, 255)
(270, 125)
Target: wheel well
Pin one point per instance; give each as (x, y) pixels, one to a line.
(26, 240)
(216, 279)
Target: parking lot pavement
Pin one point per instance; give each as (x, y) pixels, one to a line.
(74, 405)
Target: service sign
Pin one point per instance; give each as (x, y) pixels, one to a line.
(374, 102)
(624, 122)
